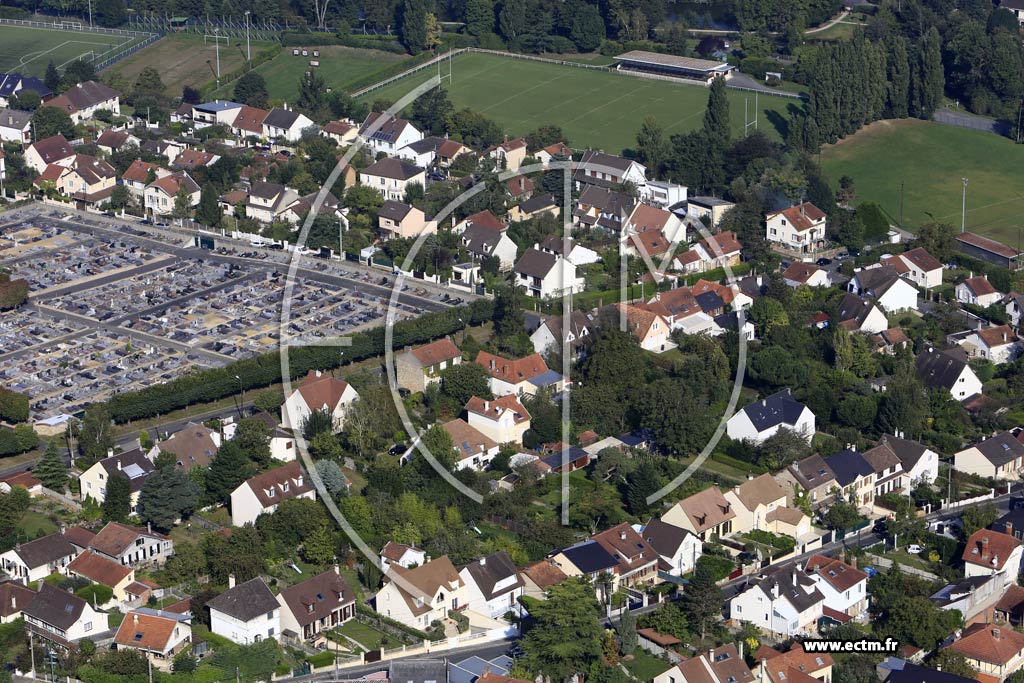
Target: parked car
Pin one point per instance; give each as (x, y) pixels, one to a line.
(824, 262)
(914, 549)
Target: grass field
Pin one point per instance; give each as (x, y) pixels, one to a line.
(930, 159)
(339, 66)
(28, 50)
(183, 59)
(594, 108)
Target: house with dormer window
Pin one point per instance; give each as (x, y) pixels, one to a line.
(503, 419)
(784, 601)
(706, 514)
(493, 585)
(316, 605)
(636, 560)
(260, 495)
(418, 596)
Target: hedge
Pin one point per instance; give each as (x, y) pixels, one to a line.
(382, 621)
(308, 39)
(460, 619)
(264, 370)
(720, 567)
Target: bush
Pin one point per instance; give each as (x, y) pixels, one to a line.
(460, 619)
(321, 659)
(783, 544)
(95, 593)
(720, 567)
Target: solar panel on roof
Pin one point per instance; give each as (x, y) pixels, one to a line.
(133, 471)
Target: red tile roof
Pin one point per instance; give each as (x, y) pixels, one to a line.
(99, 569)
(320, 389)
(147, 632)
(989, 549)
(990, 643)
(290, 476)
(512, 371)
(495, 407)
(802, 216)
(436, 351)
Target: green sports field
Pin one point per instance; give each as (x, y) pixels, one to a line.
(595, 108)
(930, 159)
(339, 66)
(27, 50)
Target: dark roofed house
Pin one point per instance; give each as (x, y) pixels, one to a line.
(316, 604)
(990, 250)
(262, 493)
(948, 370)
(895, 670)
(493, 585)
(35, 560)
(1000, 456)
(588, 558)
(61, 617)
(245, 613)
(854, 475)
(812, 476)
(763, 419)
(82, 100)
(132, 546)
(14, 597)
(133, 464)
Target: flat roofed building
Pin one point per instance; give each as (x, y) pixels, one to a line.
(670, 65)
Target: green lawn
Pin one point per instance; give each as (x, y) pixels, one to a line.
(36, 524)
(930, 159)
(364, 634)
(28, 50)
(646, 666)
(595, 108)
(339, 67)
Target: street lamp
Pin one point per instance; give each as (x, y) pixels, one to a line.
(248, 53)
(463, 330)
(241, 401)
(963, 209)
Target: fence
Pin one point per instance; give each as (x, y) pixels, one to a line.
(408, 72)
(952, 118)
(126, 52)
(60, 26)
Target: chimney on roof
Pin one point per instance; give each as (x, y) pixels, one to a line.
(231, 581)
(622, 535)
(483, 561)
(794, 579)
(487, 406)
(337, 569)
(135, 617)
(995, 633)
(118, 465)
(110, 452)
(1008, 527)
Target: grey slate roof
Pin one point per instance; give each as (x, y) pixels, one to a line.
(901, 671)
(132, 464)
(537, 203)
(56, 607)
(778, 409)
(590, 557)
(794, 591)
(396, 211)
(45, 550)
(848, 466)
(481, 240)
(418, 671)
(281, 118)
(663, 537)
(487, 572)
(940, 368)
(536, 263)
(246, 600)
(12, 118)
(1001, 448)
(393, 168)
(908, 452)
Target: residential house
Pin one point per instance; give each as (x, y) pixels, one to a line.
(608, 170)
(645, 218)
(102, 570)
(190, 159)
(681, 311)
(317, 604)
(248, 122)
(602, 208)
(578, 255)
(975, 597)
(991, 649)
(282, 442)
(763, 419)
(886, 286)
(977, 291)
(61, 617)
(800, 274)
(13, 83)
(796, 665)
(483, 242)
(708, 210)
(718, 665)
(82, 100)
(403, 555)
(811, 478)
(476, 669)
(545, 275)
(651, 330)
(636, 560)
(948, 370)
(519, 376)
(296, 211)
(998, 344)
(34, 560)
(343, 132)
(710, 253)
(318, 391)
(161, 195)
(419, 367)
(111, 141)
(707, 514)
(449, 151)
(992, 553)
(14, 597)
(890, 341)
(218, 111)
(509, 155)
(538, 578)
(592, 561)
(421, 595)
(896, 670)
(23, 479)
(386, 133)
(398, 220)
(859, 315)
(855, 477)
(502, 419)
(422, 152)
(156, 636)
(195, 445)
(1010, 607)
(133, 464)
(261, 494)
(753, 500)
(556, 330)
(996, 457)
(90, 181)
(918, 266)
(919, 463)
(80, 537)
(844, 586)
(889, 474)
(132, 546)
(492, 585)
(547, 154)
(662, 193)
(799, 229)
(519, 188)
(473, 449)
(285, 124)
(137, 176)
(246, 613)
(784, 601)
(678, 548)
(171, 150)
(267, 200)
(15, 126)
(392, 177)
(535, 207)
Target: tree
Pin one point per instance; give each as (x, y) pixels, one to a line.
(148, 84)
(479, 17)
(414, 26)
(514, 20)
(182, 202)
(312, 89)
(25, 100)
(642, 483)
(627, 633)
(702, 600)
(465, 380)
(546, 135)
(939, 239)
(14, 406)
(976, 517)
(842, 516)
(52, 77)
(79, 71)
(208, 212)
(433, 111)
(319, 421)
(229, 469)
(716, 116)
(117, 501)
(51, 469)
(933, 80)
(950, 661)
(331, 475)
(587, 29)
(253, 437)
(320, 546)
(184, 663)
(566, 636)
(110, 13)
(95, 434)
(652, 146)
(167, 496)
(120, 197)
(50, 121)
(251, 89)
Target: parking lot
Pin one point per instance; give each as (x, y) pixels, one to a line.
(114, 308)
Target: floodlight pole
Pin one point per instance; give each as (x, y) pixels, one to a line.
(248, 51)
(90, 13)
(963, 209)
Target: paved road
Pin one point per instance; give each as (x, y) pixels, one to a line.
(487, 650)
(954, 117)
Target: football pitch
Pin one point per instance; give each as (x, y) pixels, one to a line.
(594, 108)
(27, 50)
(927, 161)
